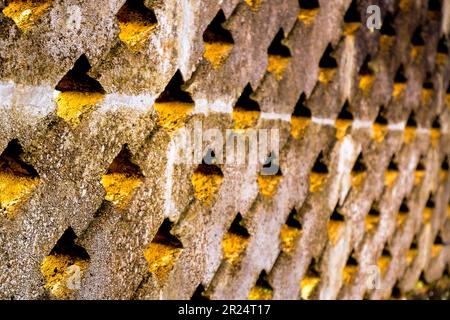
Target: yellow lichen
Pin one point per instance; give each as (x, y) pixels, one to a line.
(308, 287)
(409, 135)
(25, 13)
(72, 105)
(399, 88)
(436, 250)
(366, 83)
(389, 177)
(206, 185)
(427, 214)
(371, 223)
(289, 235)
(383, 264)
(435, 136)
(427, 96)
(348, 273)
(173, 115)
(317, 181)
(245, 119)
(217, 52)
(260, 293)
(14, 189)
(401, 218)
(119, 188)
(277, 65)
(351, 28)
(254, 4)
(298, 126)
(135, 27)
(326, 75)
(307, 16)
(61, 274)
(333, 229)
(268, 184)
(161, 258)
(410, 255)
(418, 176)
(341, 128)
(233, 246)
(443, 175)
(357, 178)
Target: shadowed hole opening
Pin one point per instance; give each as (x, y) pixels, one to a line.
(238, 228)
(404, 206)
(199, 294)
(360, 165)
(293, 220)
(66, 245)
(388, 29)
(430, 202)
(345, 113)
(77, 79)
(246, 102)
(301, 110)
(262, 289)
(417, 39)
(277, 47)
(309, 4)
(412, 120)
(352, 15)
(445, 164)
(136, 11)
(337, 216)
(443, 46)
(174, 91)
(351, 261)
(400, 75)
(365, 69)
(436, 123)
(428, 83)
(392, 165)
(381, 117)
(319, 165)
(215, 32)
(434, 5)
(328, 61)
(11, 161)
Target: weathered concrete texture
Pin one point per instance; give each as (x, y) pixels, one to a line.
(94, 95)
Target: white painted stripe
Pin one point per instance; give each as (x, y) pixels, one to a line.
(37, 99)
(361, 124)
(203, 106)
(324, 121)
(424, 131)
(276, 116)
(400, 126)
(142, 102)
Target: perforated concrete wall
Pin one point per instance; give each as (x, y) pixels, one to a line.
(95, 205)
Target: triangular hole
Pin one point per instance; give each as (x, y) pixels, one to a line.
(215, 32)
(121, 179)
(445, 164)
(359, 165)
(328, 61)
(392, 165)
(199, 294)
(309, 4)
(442, 46)
(163, 251)
(238, 228)
(245, 102)
(365, 69)
(11, 162)
(351, 261)
(77, 79)
(428, 83)
(417, 39)
(387, 29)
(136, 21)
(412, 120)
(381, 117)
(319, 165)
(352, 15)
(436, 123)
(174, 91)
(292, 220)
(345, 113)
(400, 75)
(404, 206)
(218, 41)
(301, 110)
(277, 47)
(262, 289)
(65, 259)
(434, 5)
(337, 216)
